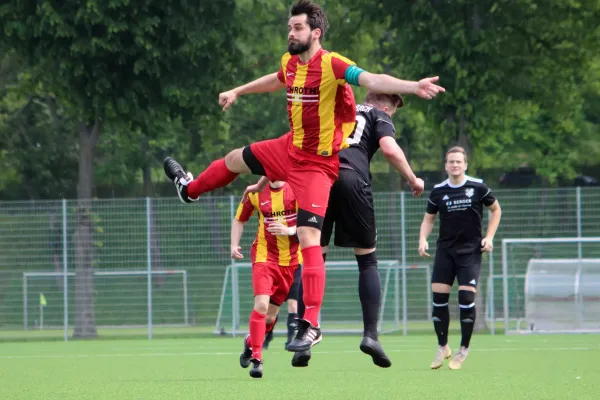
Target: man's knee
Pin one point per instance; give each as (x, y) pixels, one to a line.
(261, 304)
(366, 261)
(309, 236)
(466, 302)
(440, 305)
(234, 161)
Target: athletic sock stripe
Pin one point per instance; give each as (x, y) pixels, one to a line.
(441, 305)
(467, 305)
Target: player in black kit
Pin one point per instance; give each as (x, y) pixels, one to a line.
(459, 201)
(352, 212)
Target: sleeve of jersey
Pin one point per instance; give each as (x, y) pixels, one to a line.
(344, 69)
(487, 197)
(384, 127)
(282, 66)
(432, 206)
(245, 210)
(280, 75)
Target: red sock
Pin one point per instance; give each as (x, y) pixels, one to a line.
(257, 333)
(313, 282)
(215, 176)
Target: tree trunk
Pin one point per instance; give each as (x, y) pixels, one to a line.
(85, 322)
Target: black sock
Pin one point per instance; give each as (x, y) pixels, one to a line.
(300, 301)
(369, 291)
(466, 301)
(291, 323)
(441, 317)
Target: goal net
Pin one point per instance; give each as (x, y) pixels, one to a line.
(562, 295)
(122, 299)
(405, 298)
(551, 285)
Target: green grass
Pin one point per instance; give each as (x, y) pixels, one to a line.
(499, 367)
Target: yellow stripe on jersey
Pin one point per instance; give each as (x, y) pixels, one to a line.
(297, 106)
(284, 62)
(344, 59)
(347, 128)
(283, 242)
(240, 209)
(261, 241)
(327, 107)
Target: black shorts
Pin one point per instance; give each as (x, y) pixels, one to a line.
(351, 209)
(293, 294)
(448, 265)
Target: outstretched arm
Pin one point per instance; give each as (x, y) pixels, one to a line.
(382, 83)
(268, 83)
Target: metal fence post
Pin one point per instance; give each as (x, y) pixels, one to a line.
(403, 244)
(578, 194)
(234, 294)
(490, 295)
(505, 285)
(149, 262)
(65, 271)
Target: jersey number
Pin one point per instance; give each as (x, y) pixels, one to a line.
(358, 131)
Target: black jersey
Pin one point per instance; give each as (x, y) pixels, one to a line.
(461, 212)
(371, 125)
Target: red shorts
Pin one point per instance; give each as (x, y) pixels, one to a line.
(309, 175)
(273, 280)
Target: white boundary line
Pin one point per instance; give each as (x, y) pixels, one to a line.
(428, 350)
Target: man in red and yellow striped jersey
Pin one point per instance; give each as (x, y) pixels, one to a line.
(321, 112)
(275, 256)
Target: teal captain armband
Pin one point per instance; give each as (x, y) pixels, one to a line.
(352, 74)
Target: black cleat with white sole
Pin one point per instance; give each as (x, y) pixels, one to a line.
(301, 359)
(306, 337)
(373, 348)
(176, 173)
(257, 368)
(246, 356)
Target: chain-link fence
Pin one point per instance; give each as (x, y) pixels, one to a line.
(157, 267)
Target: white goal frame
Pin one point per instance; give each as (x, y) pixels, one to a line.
(505, 269)
(182, 272)
(393, 273)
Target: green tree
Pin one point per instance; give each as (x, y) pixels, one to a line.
(118, 62)
(514, 71)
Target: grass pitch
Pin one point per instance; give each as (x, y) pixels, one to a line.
(498, 367)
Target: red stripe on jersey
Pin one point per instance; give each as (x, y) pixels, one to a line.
(345, 111)
(310, 111)
(291, 66)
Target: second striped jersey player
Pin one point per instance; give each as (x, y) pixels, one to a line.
(275, 260)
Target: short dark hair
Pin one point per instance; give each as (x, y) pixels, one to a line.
(394, 100)
(315, 16)
(457, 149)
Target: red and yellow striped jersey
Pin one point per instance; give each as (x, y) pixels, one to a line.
(272, 205)
(321, 106)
